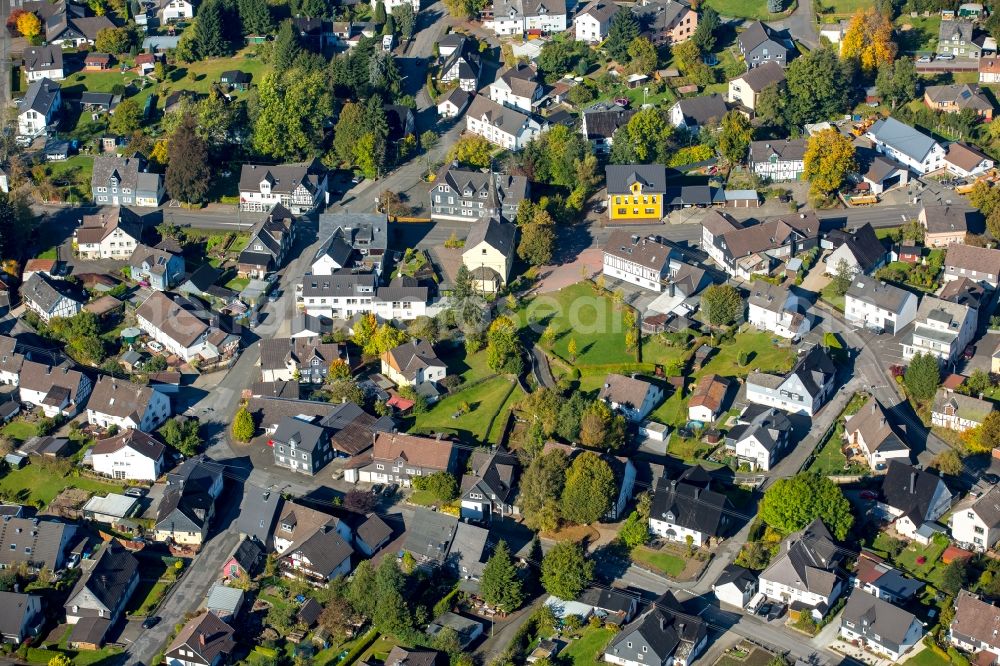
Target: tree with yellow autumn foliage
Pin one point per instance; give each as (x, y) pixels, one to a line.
(829, 158)
(869, 40)
(29, 25)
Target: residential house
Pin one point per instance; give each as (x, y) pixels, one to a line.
(43, 62)
(307, 443)
(106, 585)
(204, 641)
(957, 97)
(501, 125)
(869, 430)
(601, 121)
(174, 10)
(964, 292)
(11, 360)
(610, 605)
(57, 390)
(488, 488)
(640, 261)
(371, 535)
(344, 295)
(131, 455)
(401, 121)
(777, 161)
(804, 390)
(979, 264)
(955, 38)
(806, 570)
(662, 636)
(693, 113)
(399, 655)
(21, 618)
(517, 87)
(307, 360)
(978, 527)
(413, 363)
(911, 497)
(593, 21)
(39, 109)
(187, 506)
(976, 626)
(247, 560)
(159, 269)
(860, 249)
(736, 586)
(299, 188)
(357, 242)
(463, 64)
(745, 250)
(234, 79)
(688, 507)
(392, 4)
(312, 544)
(877, 305)
(270, 241)
(464, 195)
(201, 281)
(636, 191)
(943, 225)
(527, 17)
(941, 329)
(397, 458)
(879, 626)
(760, 44)
(760, 437)
(112, 233)
(298, 523)
(706, 401)
(666, 22)
(126, 405)
(36, 542)
(453, 104)
(745, 90)
(965, 161)
(173, 322)
(874, 576)
(48, 297)
(635, 398)
(958, 412)
(906, 145)
(69, 30)
(778, 309)
(468, 554)
(882, 173)
(489, 253)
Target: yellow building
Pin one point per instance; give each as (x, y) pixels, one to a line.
(636, 191)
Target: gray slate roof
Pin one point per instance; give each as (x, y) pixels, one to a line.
(620, 177)
(882, 295)
(902, 137)
(41, 96)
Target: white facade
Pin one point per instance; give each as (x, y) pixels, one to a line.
(913, 634)
(392, 4)
(779, 170)
(343, 307)
(673, 532)
(37, 398)
(55, 74)
(589, 29)
(749, 450)
(128, 464)
(119, 244)
(842, 253)
(517, 24)
(64, 307)
(702, 413)
(176, 10)
(634, 273)
(448, 109)
(945, 340)
(196, 348)
(865, 313)
(906, 527)
(784, 322)
(501, 93)
(32, 123)
(515, 139)
(969, 530)
(777, 591)
(732, 595)
(933, 161)
(156, 412)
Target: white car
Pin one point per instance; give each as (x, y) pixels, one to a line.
(924, 59)
(155, 346)
(946, 56)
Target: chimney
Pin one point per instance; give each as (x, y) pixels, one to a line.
(913, 481)
(201, 640)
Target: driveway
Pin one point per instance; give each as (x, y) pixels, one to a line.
(801, 25)
(553, 278)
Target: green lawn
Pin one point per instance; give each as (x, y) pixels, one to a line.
(79, 658)
(921, 35)
(238, 284)
(588, 649)
(470, 367)
(668, 563)
(751, 9)
(496, 430)
(932, 569)
(380, 649)
(578, 313)
(827, 295)
(830, 458)
(147, 596)
(927, 657)
(21, 430)
(35, 483)
(767, 354)
(656, 350)
(72, 176)
(688, 450)
(485, 400)
(840, 8)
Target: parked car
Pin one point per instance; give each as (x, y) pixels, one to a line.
(991, 478)
(946, 56)
(777, 610)
(135, 491)
(150, 622)
(390, 490)
(377, 489)
(969, 352)
(924, 59)
(154, 345)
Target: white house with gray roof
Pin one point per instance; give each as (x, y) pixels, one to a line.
(298, 187)
(908, 146)
(941, 329)
(48, 297)
(517, 88)
(694, 112)
(879, 626)
(39, 108)
(760, 437)
(489, 253)
(778, 160)
(43, 62)
(805, 570)
(501, 125)
(125, 181)
(978, 526)
(778, 309)
(126, 405)
(877, 305)
(594, 20)
(517, 17)
(357, 242)
(663, 636)
(638, 260)
(804, 390)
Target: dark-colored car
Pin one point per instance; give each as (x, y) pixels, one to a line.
(390, 490)
(764, 610)
(150, 622)
(969, 352)
(777, 610)
(991, 478)
(377, 489)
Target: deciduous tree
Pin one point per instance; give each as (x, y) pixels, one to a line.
(113, 40)
(734, 139)
(291, 113)
(642, 56)
(565, 570)
(829, 158)
(589, 489)
(986, 436)
(817, 87)
(634, 531)
(722, 304)
(841, 281)
(791, 504)
(127, 117)
(471, 150)
(188, 174)
(869, 40)
(503, 347)
(29, 25)
(542, 484)
(896, 82)
(537, 241)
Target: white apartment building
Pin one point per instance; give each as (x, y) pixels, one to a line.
(501, 125)
(941, 329)
(978, 527)
(877, 305)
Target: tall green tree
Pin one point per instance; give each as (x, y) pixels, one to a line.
(817, 87)
(406, 19)
(542, 485)
(829, 158)
(188, 174)
(500, 585)
(255, 17)
(291, 112)
(770, 107)
(792, 504)
(127, 117)
(922, 376)
(310, 8)
(565, 570)
(704, 34)
(378, 15)
(286, 47)
(391, 614)
(503, 347)
(842, 277)
(734, 139)
(209, 31)
(243, 425)
(16, 225)
(624, 30)
(537, 242)
(634, 531)
(722, 304)
(589, 489)
(896, 82)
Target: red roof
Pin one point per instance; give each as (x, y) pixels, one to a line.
(400, 403)
(952, 382)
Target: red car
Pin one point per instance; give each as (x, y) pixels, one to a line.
(970, 351)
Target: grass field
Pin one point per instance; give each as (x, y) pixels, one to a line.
(689, 450)
(668, 563)
(840, 8)
(830, 297)
(469, 367)
(485, 400)
(578, 313)
(927, 657)
(72, 176)
(921, 35)
(751, 9)
(588, 648)
(21, 430)
(147, 596)
(35, 483)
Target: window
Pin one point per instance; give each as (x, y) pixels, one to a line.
(379, 466)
